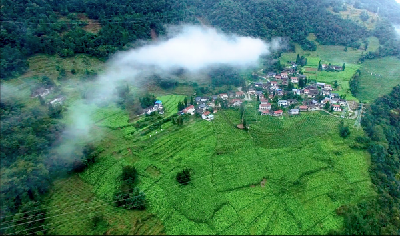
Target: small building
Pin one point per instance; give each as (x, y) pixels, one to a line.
(278, 113)
(306, 91)
(205, 115)
(342, 102)
(189, 110)
(158, 102)
(337, 108)
(223, 96)
(291, 101)
(294, 80)
(259, 93)
(282, 103)
(303, 108)
(320, 85)
(294, 111)
(334, 95)
(313, 93)
(265, 112)
(264, 107)
(326, 92)
(296, 91)
(239, 94)
(251, 92)
(284, 75)
(40, 92)
(278, 77)
(204, 99)
(285, 82)
(263, 101)
(214, 97)
(236, 102)
(271, 74)
(328, 87)
(197, 99)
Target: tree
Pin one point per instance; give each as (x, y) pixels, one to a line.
(245, 124)
(258, 98)
(344, 66)
(327, 106)
(345, 49)
(185, 101)
(344, 131)
(335, 84)
(41, 100)
(191, 100)
(129, 175)
(364, 16)
(319, 66)
(181, 106)
(298, 61)
(183, 177)
(301, 83)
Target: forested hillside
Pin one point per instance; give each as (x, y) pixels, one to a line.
(56, 28)
(380, 216)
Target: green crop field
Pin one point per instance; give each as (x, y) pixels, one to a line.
(385, 75)
(284, 176)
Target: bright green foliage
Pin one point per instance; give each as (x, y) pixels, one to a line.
(302, 159)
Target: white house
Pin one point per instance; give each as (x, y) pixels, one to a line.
(328, 87)
(282, 103)
(294, 111)
(189, 110)
(251, 92)
(284, 75)
(223, 96)
(336, 108)
(264, 106)
(294, 80)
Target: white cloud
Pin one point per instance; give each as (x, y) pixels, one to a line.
(195, 48)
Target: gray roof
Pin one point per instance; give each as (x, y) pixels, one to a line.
(294, 110)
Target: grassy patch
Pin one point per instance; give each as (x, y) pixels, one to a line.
(354, 15)
(72, 205)
(378, 77)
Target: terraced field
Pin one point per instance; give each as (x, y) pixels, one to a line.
(284, 176)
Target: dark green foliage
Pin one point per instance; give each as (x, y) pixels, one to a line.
(344, 131)
(181, 106)
(132, 199)
(355, 83)
(364, 16)
(380, 216)
(147, 101)
(98, 224)
(129, 174)
(183, 177)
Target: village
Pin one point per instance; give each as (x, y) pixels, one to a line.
(288, 92)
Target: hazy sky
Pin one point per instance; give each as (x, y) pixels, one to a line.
(398, 1)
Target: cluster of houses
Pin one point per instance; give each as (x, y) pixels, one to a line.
(311, 94)
(43, 92)
(157, 107)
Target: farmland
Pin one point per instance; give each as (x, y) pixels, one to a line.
(284, 176)
(378, 77)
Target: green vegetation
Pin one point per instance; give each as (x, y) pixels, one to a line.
(221, 197)
(385, 75)
(380, 215)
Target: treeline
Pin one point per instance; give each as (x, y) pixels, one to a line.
(379, 216)
(34, 26)
(355, 83)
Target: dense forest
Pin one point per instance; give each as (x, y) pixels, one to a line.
(379, 216)
(34, 26)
